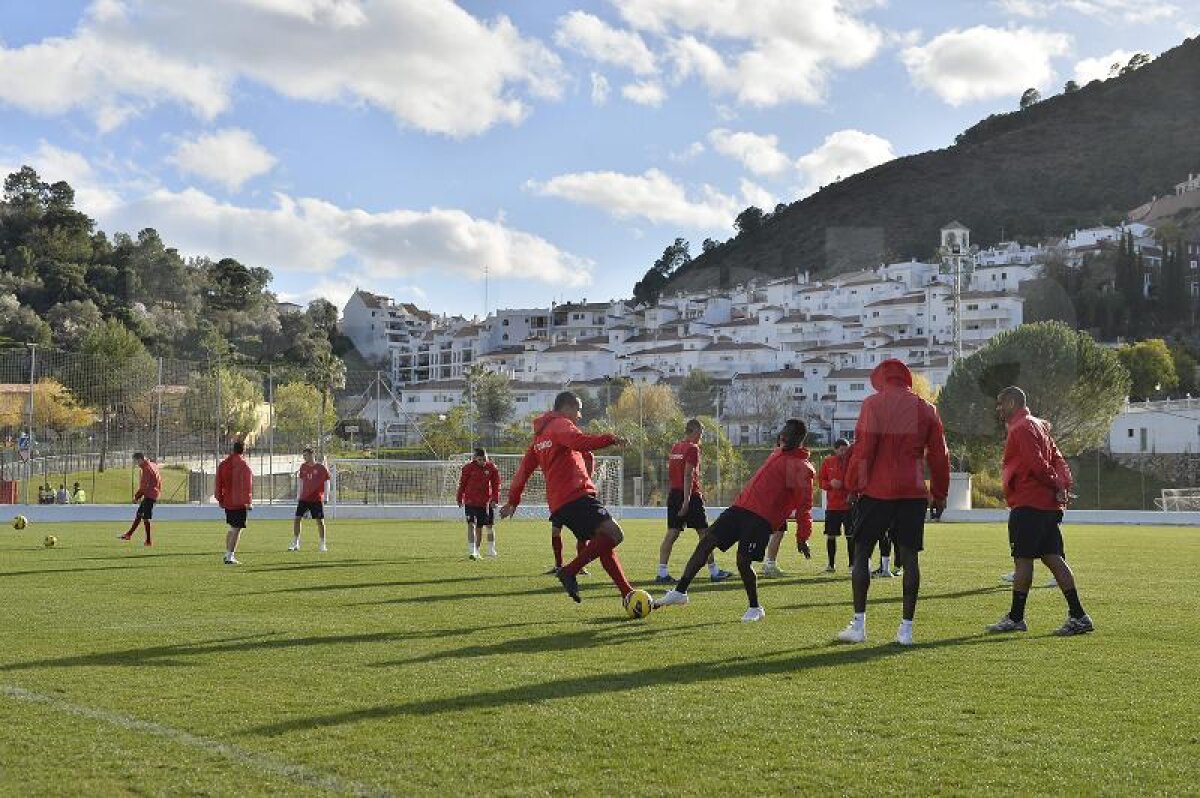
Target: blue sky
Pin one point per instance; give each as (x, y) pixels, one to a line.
(403, 145)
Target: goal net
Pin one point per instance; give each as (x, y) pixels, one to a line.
(1179, 499)
(434, 483)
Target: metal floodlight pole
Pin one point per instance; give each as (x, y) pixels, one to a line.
(158, 415)
(271, 429)
(378, 407)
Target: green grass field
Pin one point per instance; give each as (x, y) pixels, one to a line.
(393, 665)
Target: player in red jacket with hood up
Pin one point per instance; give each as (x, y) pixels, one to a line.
(557, 448)
(780, 488)
(897, 433)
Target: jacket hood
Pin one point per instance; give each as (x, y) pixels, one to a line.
(893, 372)
(543, 421)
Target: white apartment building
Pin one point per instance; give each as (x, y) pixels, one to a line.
(793, 337)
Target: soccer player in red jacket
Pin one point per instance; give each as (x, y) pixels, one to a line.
(234, 492)
(589, 464)
(685, 501)
(781, 487)
(149, 489)
(897, 433)
(832, 478)
(311, 498)
(557, 448)
(1037, 485)
(479, 493)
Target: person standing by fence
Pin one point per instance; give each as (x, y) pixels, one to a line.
(235, 494)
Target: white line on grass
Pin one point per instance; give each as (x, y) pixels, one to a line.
(295, 773)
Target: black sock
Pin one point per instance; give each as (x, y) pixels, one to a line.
(1073, 605)
(831, 549)
(1017, 613)
(850, 551)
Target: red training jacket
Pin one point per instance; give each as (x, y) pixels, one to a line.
(683, 453)
(897, 432)
(1034, 469)
(150, 486)
(782, 487)
(235, 483)
(479, 485)
(558, 449)
(312, 482)
(834, 467)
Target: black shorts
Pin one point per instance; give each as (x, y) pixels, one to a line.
(1034, 533)
(582, 516)
(236, 519)
(902, 520)
(146, 509)
(837, 522)
(694, 517)
(314, 508)
(749, 530)
(480, 516)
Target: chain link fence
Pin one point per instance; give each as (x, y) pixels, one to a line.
(69, 424)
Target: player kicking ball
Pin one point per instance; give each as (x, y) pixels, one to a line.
(479, 493)
(685, 502)
(781, 487)
(556, 544)
(557, 448)
(311, 502)
(149, 489)
(1037, 484)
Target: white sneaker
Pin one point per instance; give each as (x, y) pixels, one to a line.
(474, 555)
(321, 547)
(671, 598)
(754, 614)
(295, 546)
(231, 561)
(904, 635)
(1009, 577)
(853, 634)
(492, 553)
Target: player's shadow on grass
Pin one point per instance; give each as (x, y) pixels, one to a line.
(155, 554)
(612, 633)
(392, 583)
(183, 654)
(875, 598)
(785, 662)
(435, 597)
(312, 566)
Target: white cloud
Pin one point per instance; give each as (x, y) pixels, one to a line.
(840, 155)
(1110, 11)
(693, 150)
(314, 236)
(760, 154)
(652, 196)
(758, 196)
(983, 63)
(1098, 68)
(428, 63)
(600, 89)
(227, 157)
(596, 39)
(763, 53)
(647, 92)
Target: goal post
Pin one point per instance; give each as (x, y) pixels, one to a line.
(1179, 500)
(434, 483)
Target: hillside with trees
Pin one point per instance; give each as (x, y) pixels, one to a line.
(1080, 158)
(62, 280)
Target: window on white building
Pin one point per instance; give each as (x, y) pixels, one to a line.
(1129, 433)
(858, 386)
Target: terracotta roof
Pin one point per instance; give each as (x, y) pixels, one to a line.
(562, 348)
(534, 385)
(956, 225)
(436, 385)
(659, 350)
(469, 331)
(906, 299)
(735, 346)
(781, 374)
(849, 374)
(649, 338)
(738, 323)
(988, 295)
(373, 300)
(504, 350)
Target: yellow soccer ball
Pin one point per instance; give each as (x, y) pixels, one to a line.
(20, 522)
(638, 604)
(50, 541)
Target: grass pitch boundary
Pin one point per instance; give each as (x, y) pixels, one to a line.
(297, 774)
